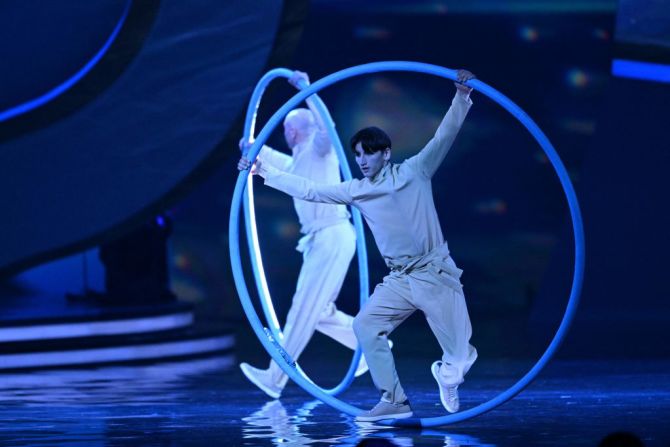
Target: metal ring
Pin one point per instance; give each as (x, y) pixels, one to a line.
(543, 141)
(252, 234)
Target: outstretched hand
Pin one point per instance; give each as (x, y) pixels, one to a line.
(463, 76)
(298, 76)
(245, 145)
(245, 164)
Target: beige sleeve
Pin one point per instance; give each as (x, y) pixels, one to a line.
(321, 142)
(431, 156)
(278, 160)
(301, 188)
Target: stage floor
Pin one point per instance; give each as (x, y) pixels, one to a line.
(573, 403)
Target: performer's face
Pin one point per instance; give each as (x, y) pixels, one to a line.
(371, 164)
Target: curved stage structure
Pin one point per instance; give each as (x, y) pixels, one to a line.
(98, 336)
(166, 104)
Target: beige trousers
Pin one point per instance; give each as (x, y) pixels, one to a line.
(430, 284)
(326, 257)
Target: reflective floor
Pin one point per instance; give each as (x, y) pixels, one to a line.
(203, 401)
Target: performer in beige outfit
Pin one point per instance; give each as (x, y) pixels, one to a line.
(397, 203)
(328, 245)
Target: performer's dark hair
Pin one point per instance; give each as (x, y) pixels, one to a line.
(372, 140)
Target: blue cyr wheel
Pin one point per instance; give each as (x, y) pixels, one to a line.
(262, 288)
(286, 364)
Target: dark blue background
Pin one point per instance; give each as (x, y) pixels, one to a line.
(500, 203)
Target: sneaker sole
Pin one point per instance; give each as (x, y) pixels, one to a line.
(383, 417)
(443, 400)
(270, 392)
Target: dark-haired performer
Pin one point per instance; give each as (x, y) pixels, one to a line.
(397, 203)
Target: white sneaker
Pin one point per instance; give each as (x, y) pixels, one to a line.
(262, 379)
(386, 410)
(363, 364)
(448, 392)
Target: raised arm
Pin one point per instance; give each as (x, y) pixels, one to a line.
(269, 156)
(431, 156)
(322, 144)
(278, 160)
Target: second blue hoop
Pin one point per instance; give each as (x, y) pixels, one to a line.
(252, 235)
